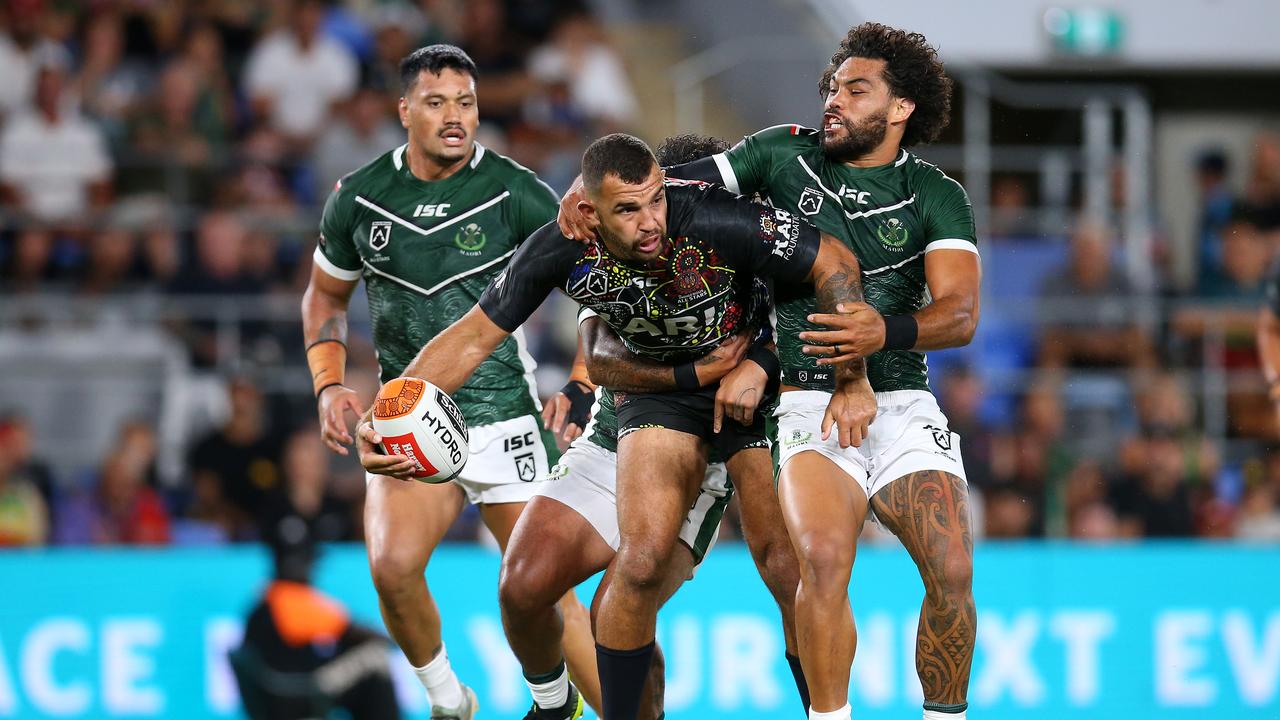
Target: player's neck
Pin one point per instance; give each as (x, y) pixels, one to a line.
(430, 169)
(883, 154)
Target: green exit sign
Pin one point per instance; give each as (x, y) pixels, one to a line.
(1087, 31)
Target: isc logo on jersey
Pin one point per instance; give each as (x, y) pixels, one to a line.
(440, 210)
(418, 420)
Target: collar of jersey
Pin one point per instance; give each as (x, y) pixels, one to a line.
(405, 173)
(903, 157)
(650, 265)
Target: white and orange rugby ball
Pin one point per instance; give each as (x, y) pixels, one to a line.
(420, 421)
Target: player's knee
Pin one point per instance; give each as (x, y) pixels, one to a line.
(826, 562)
(395, 572)
(642, 566)
(956, 578)
(524, 587)
(782, 572)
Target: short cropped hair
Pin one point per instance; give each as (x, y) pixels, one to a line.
(626, 156)
(912, 69)
(434, 59)
(681, 149)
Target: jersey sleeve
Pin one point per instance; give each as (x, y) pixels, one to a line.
(540, 265)
(745, 167)
(948, 221)
(336, 252)
(771, 242)
(535, 204)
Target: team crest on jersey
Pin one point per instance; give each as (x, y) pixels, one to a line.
(379, 234)
(893, 234)
(810, 201)
(470, 239)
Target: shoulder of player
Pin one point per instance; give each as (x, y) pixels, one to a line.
(924, 175)
(788, 139)
(507, 172)
(547, 242)
(371, 174)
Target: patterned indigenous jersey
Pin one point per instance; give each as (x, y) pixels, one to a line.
(891, 216)
(681, 305)
(426, 251)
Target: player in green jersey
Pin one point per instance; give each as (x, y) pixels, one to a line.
(912, 229)
(427, 226)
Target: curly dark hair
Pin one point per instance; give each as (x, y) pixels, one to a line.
(680, 149)
(912, 70)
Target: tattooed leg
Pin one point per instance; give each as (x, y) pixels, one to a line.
(929, 512)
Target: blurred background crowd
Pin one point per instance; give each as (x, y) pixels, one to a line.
(162, 167)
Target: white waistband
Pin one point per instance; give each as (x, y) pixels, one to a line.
(893, 397)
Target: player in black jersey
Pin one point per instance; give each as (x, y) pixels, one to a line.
(912, 229)
(672, 273)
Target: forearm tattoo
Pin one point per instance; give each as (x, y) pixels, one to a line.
(335, 328)
(842, 284)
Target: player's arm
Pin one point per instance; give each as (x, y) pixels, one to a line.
(612, 365)
(950, 320)
(324, 327)
(568, 411)
(335, 271)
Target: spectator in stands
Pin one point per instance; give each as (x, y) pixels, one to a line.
(1088, 313)
(1153, 498)
(365, 129)
(502, 80)
(30, 264)
(1259, 514)
(24, 512)
(112, 258)
(118, 508)
(598, 85)
(307, 496)
(239, 463)
(1011, 213)
(1246, 254)
(17, 442)
(1217, 203)
(961, 399)
(1096, 522)
(54, 165)
(23, 49)
(110, 87)
(295, 75)
(1263, 189)
(180, 138)
(398, 29)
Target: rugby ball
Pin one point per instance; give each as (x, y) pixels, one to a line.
(420, 421)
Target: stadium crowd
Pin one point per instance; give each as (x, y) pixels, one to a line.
(181, 151)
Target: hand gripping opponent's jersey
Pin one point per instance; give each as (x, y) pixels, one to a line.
(426, 250)
(891, 216)
(681, 305)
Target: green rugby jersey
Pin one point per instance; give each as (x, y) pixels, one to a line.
(891, 216)
(426, 251)
(603, 426)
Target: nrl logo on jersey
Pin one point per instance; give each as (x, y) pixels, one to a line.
(470, 239)
(893, 234)
(810, 201)
(380, 234)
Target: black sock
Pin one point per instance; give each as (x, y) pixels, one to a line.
(622, 677)
(802, 685)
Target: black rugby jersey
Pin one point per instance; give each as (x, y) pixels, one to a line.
(684, 303)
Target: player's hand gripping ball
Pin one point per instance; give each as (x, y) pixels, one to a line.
(418, 420)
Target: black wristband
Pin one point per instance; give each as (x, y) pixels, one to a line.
(326, 387)
(322, 341)
(900, 332)
(761, 355)
(580, 401)
(687, 377)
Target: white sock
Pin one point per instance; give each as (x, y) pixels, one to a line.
(841, 714)
(936, 715)
(442, 685)
(553, 694)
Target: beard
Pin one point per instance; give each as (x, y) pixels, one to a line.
(858, 140)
